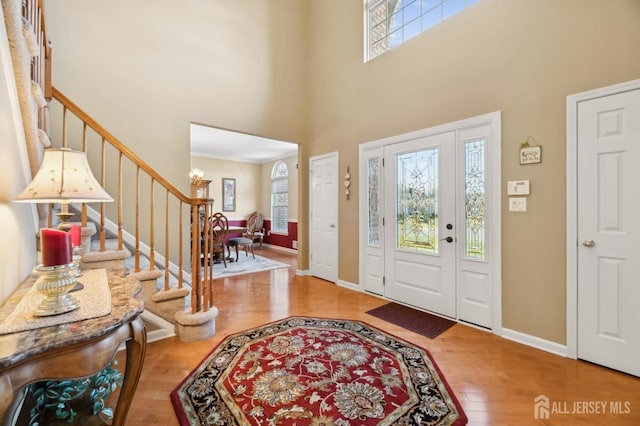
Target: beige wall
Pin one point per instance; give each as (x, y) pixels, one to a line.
(253, 184)
(248, 183)
(18, 222)
(293, 70)
(146, 69)
(520, 57)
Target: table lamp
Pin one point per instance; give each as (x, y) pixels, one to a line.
(64, 177)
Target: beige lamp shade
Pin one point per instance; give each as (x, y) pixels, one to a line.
(64, 176)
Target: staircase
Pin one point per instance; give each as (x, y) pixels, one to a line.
(159, 314)
(176, 288)
(160, 306)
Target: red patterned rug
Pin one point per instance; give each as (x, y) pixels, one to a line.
(316, 371)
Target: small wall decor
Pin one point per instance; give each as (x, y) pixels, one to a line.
(530, 154)
(347, 183)
(228, 195)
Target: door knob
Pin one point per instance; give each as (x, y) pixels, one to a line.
(448, 239)
(588, 243)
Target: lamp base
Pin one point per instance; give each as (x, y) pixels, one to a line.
(55, 282)
(64, 217)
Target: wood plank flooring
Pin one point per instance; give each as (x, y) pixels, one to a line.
(496, 380)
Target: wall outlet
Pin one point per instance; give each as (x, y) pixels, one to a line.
(517, 204)
(294, 244)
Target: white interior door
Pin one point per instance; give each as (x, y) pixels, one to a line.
(323, 217)
(420, 259)
(608, 254)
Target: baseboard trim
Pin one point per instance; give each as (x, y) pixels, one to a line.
(347, 284)
(535, 342)
(515, 336)
(285, 249)
(506, 333)
(165, 328)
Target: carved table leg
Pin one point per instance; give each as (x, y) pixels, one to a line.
(136, 348)
(6, 389)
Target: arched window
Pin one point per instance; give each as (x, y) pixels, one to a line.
(279, 197)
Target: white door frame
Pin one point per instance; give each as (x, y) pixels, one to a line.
(572, 203)
(495, 201)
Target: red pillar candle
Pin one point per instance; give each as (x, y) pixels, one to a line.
(75, 232)
(56, 247)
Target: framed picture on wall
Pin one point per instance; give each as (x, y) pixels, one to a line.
(228, 195)
(530, 155)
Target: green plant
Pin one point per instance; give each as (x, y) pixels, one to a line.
(58, 396)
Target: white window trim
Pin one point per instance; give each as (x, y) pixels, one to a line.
(369, 4)
(275, 166)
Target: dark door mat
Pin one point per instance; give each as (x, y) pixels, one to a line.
(423, 323)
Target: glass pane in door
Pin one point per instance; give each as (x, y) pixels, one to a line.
(417, 200)
(374, 182)
(475, 202)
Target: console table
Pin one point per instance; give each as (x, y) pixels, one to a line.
(74, 350)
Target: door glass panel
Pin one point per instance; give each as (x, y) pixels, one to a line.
(417, 200)
(475, 200)
(374, 181)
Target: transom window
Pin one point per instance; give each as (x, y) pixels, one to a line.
(280, 198)
(392, 22)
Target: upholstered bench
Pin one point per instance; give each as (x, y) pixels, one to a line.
(241, 241)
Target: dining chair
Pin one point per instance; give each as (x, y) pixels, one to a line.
(255, 230)
(218, 230)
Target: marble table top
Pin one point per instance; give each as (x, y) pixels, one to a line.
(16, 347)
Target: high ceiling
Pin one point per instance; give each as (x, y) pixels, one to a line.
(219, 143)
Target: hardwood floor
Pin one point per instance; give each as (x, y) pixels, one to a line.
(495, 380)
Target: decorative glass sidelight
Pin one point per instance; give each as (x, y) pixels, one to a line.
(417, 200)
(374, 179)
(475, 200)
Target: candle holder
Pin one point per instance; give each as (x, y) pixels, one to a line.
(76, 260)
(55, 282)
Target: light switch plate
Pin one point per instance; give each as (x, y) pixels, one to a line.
(518, 187)
(517, 204)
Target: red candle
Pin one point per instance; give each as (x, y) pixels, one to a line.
(56, 247)
(75, 232)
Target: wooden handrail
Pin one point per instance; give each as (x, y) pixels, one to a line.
(118, 145)
(201, 258)
(201, 294)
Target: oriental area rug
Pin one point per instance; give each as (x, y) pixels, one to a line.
(246, 265)
(316, 371)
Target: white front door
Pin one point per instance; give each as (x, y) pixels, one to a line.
(608, 254)
(420, 256)
(323, 217)
(430, 219)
